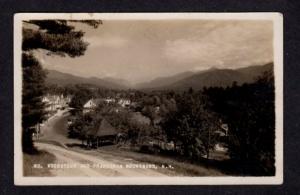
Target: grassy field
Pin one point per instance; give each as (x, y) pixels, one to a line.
(42, 158)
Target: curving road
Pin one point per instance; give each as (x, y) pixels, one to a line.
(76, 163)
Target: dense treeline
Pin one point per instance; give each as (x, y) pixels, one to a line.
(191, 119)
(249, 111)
(192, 125)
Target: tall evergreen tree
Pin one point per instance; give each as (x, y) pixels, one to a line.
(57, 37)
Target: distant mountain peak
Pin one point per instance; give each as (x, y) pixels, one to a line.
(213, 68)
(62, 79)
(212, 77)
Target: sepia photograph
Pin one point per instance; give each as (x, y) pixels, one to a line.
(148, 99)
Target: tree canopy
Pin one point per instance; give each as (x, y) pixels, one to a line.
(192, 124)
(249, 111)
(57, 37)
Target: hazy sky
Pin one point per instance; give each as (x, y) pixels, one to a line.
(139, 51)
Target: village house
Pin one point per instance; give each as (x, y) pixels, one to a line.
(90, 105)
(55, 102)
(109, 100)
(223, 131)
(157, 109)
(223, 138)
(124, 102)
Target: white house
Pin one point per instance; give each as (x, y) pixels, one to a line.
(53, 102)
(223, 131)
(225, 128)
(157, 109)
(110, 100)
(124, 102)
(91, 104)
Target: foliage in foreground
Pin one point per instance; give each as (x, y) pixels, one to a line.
(55, 37)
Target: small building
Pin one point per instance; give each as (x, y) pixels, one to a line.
(124, 102)
(110, 100)
(100, 134)
(55, 102)
(157, 110)
(221, 146)
(223, 131)
(225, 128)
(91, 105)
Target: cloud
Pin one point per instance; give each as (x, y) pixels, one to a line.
(110, 42)
(143, 50)
(243, 44)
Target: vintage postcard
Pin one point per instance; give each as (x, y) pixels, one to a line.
(148, 98)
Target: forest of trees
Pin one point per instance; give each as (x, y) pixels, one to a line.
(191, 118)
(192, 124)
(249, 111)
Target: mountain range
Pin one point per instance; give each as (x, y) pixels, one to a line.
(197, 80)
(213, 77)
(63, 79)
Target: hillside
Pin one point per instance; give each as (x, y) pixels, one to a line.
(215, 77)
(197, 80)
(62, 79)
(163, 81)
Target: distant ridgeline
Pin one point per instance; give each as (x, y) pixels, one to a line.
(197, 80)
(209, 78)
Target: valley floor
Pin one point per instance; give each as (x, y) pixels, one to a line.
(62, 156)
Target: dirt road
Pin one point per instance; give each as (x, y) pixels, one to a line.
(71, 163)
(75, 163)
(56, 129)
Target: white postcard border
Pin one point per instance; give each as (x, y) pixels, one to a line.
(277, 19)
